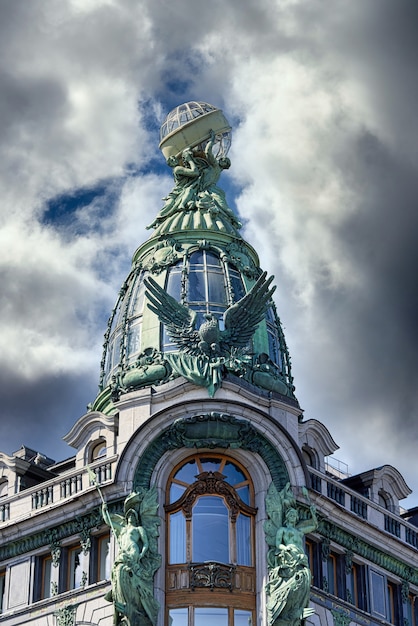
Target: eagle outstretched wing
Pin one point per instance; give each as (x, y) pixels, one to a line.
(178, 319)
(242, 318)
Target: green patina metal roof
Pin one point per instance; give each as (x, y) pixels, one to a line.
(211, 307)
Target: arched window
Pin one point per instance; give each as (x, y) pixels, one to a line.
(123, 341)
(310, 456)
(3, 487)
(206, 283)
(385, 500)
(210, 542)
(98, 450)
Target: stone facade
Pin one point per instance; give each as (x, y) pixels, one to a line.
(260, 432)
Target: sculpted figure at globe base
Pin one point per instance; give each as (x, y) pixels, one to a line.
(195, 174)
(136, 561)
(288, 587)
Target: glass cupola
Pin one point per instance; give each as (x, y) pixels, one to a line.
(196, 299)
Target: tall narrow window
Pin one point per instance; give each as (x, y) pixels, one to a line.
(46, 578)
(332, 574)
(77, 568)
(103, 557)
(3, 488)
(210, 530)
(2, 587)
(378, 593)
(210, 542)
(413, 610)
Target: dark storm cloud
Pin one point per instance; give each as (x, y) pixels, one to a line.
(381, 240)
(38, 413)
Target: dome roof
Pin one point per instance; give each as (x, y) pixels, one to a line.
(196, 302)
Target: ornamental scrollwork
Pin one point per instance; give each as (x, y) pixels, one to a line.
(212, 575)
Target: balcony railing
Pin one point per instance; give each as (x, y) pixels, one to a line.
(364, 508)
(53, 492)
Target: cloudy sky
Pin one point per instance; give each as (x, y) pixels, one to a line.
(322, 98)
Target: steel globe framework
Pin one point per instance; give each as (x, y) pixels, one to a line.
(189, 125)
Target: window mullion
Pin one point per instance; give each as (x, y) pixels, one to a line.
(233, 538)
(188, 540)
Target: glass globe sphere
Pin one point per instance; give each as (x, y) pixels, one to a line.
(189, 126)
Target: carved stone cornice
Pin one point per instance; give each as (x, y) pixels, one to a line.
(53, 536)
(363, 549)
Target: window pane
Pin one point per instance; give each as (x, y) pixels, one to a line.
(2, 579)
(46, 577)
(104, 558)
(237, 286)
(76, 568)
(210, 617)
(244, 494)
(196, 291)
(133, 339)
(212, 259)
(242, 618)
(177, 538)
(378, 593)
(332, 574)
(210, 526)
(216, 287)
(177, 617)
(243, 539)
(274, 352)
(188, 472)
(174, 284)
(136, 303)
(233, 474)
(196, 258)
(176, 491)
(210, 465)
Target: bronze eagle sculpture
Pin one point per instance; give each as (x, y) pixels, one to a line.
(240, 320)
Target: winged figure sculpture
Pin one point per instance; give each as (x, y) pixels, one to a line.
(240, 320)
(288, 587)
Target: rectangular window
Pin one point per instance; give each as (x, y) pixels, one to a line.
(2, 587)
(243, 530)
(210, 616)
(103, 557)
(242, 618)
(177, 538)
(332, 574)
(394, 608)
(312, 551)
(178, 617)
(352, 585)
(76, 568)
(413, 610)
(378, 593)
(46, 572)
